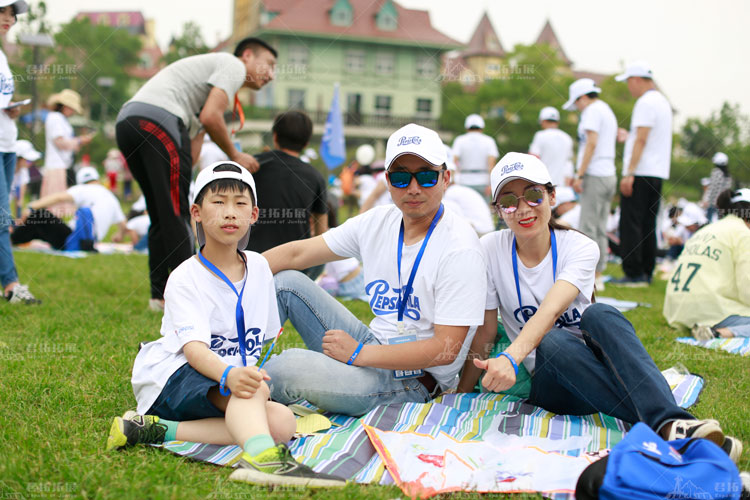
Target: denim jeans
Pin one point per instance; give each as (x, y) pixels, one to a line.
(299, 374)
(610, 373)
(738, 325)
(8, 272)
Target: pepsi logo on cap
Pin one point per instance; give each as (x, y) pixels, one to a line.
(405, 141)
(511, 168)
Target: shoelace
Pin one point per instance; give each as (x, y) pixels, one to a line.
(152, 433)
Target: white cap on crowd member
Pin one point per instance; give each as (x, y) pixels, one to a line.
(473, 121)
(26, 150)
(577, 89)
(207, 176)
(564, 194)
(740, 195)
(549, 114)
(86, 174)
(692, 214)
(19, 6)
(365, 154)
(638, 68)
(514, 166)
(720, 159)
(418, 141)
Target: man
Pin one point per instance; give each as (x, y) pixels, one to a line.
(160, 131)
(595, 177)
(97, 210)
(475, 154)
(425, 278)
(647, 157)
(467, 202)
(554, 147)
(292, 192)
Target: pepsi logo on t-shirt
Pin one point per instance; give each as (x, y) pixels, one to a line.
(386, 300)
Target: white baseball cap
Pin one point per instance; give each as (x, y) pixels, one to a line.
(418, 141)
(720, 159)
(692, 214)
(26, 150)
(741, 195)
(473, 120)
(578, 88)
(564, 194)
(207, 176)
(637, 68)
(86, 174)
(549, 113)
(514, 166)
(20, 6)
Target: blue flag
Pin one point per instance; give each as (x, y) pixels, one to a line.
(332, 146)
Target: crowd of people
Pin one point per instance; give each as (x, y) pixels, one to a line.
(439, 272)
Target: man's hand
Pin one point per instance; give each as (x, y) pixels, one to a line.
(622, 135)
(339, 345)
(500, 373)
(626, 186)
(247, 161)
(244, 381)
(13, 112)
(578, 185)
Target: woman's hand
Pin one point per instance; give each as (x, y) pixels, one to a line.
(500, 373)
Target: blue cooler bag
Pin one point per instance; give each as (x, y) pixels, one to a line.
(644, 466)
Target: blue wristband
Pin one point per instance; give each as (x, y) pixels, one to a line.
(355, 354)
(510, 358)
(223, 381)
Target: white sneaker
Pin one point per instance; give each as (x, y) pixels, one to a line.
(599, 284)
(21, 295)
(702, 332)
(706, 429)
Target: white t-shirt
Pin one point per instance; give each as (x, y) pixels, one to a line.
(210, 153)
(199, 306)
(577, 256)
(449, 286)
(182, 87)
(56, 125)
(8, 129)
(598, 117)
(139, 224)
(555, 148)
(651, 110)
(339, 269)
(471, 151)
(471, 206)
(103, 204)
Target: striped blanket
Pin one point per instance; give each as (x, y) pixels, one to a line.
(737, 345)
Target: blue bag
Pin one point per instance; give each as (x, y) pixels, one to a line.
(82, 237)
(643, 467)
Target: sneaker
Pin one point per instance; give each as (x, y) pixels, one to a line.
(277, 466)
(156, 305)
(706, 429)
(733, 447)
(21, 295)
(640, 281)
(745, 478)
(599, 284)
(702, 332)
(126, 432)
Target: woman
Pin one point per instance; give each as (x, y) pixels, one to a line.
(719, 181)
(13, 291)
(61, 143)
(709, 290)
(584, 358)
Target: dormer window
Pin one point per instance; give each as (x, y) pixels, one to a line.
(387, 17)
(341, 13)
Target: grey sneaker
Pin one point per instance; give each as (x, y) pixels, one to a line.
(21, 295)
(126, 432)
(706, 429)
(277, 466)
(702, 332)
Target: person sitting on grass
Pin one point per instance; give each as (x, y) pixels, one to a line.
(584, 357)
(709, 289)
(198, 382)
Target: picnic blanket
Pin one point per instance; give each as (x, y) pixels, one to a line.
(736, 345)
(103, 247)
(621, 305)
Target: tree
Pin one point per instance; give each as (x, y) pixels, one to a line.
(189, 43)
(726, 129)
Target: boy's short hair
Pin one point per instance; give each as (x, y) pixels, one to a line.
(211, 179)
(293, 130)
(254, 44)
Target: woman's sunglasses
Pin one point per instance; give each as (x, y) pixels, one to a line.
(425, 178)
(509, 202)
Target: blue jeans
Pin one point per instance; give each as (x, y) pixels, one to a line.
(299, 374)
(610, 373)
(738, 325)
(8, 272)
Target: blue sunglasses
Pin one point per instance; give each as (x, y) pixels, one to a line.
(425, 178)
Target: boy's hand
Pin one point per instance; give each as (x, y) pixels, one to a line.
(339, 345)
(244, 381)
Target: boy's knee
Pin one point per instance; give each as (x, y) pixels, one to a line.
(289, 279)
(281, 422)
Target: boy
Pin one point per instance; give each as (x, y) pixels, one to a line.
(198, 382)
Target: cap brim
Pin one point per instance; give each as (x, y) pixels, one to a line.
(570, 105)
(622, 77)
(430, 161)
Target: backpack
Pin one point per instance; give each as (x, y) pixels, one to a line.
(82, 237)
(643, 466)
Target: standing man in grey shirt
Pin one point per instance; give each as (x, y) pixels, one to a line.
(157, 127)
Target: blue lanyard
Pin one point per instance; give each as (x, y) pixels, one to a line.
(553, 242)
(407, 291)
(239, 311)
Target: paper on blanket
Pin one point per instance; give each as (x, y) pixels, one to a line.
(424, 466)
(310, 424)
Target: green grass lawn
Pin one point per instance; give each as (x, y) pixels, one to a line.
(65, 372)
